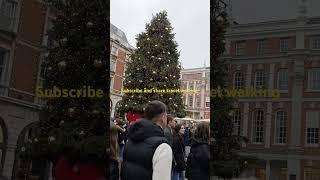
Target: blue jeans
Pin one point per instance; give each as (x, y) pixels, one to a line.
(177, 175)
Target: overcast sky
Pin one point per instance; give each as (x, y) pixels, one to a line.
(246, 11)
(189, 18)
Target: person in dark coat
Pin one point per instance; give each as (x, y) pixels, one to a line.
(199, 157)
(147, 154)
(114, 159)
(178, 153)
(169, 129)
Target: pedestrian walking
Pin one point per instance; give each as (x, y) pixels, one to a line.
(147, 154)
(179, 153)
(199, 157)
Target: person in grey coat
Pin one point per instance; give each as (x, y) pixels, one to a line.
(169, 130)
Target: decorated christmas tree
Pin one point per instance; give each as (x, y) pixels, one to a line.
(225, 161)
(154, 70)
(74, 124)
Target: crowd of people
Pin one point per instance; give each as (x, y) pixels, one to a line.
(156, 147)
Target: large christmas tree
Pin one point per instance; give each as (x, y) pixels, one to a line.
(225, 145)
(74, 124)
(154, 67)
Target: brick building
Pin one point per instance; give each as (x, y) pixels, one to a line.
(23, 26)
(198, 104)
(284, 132)
(119, 56)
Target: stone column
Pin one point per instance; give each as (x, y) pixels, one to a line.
(297, 92)
(245, 122)
(248, 76)
(294, 169)
(268, 177)
(9, 161)
(268, 125)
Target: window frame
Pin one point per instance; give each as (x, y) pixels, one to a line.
(281, 137)
(311, 85)
(4, 64)
(315, 42)
(261, 79)
(190, 99)
(116, 50)
(236, 81)
(198, 101)
(284, 44)
(206, 98)
(255, 126)
(279, 80)
(240, 50)
(316, 130)
(262, 46)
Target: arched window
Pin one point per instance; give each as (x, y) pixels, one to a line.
(281, 127)
(25, 168)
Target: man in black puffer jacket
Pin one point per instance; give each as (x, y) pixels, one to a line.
(147, 155)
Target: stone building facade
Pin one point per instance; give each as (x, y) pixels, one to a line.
(283, 132)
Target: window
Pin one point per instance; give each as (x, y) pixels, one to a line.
(262, 46)
(112, 66)
(207, 86)
(240, 48)
(3, 57)
(190, 100)
(238, 80)
(312, 127)
(191, 87)
(314, 79)
(316, 42)
(43, 71)
(114, 50)
(124, 70)
(237, 122)
(281, 127)
(284, 44)
(7, 14)
(283, 79)
(207, 102)
(185, 100)
(111, 82)
(198, 101)
(127, 57)
(10, 8)
(258, 126)
(260, 79)
(196, 115)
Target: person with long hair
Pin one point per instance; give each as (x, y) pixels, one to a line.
(178, 153)
(114, 156)
(199, 157)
